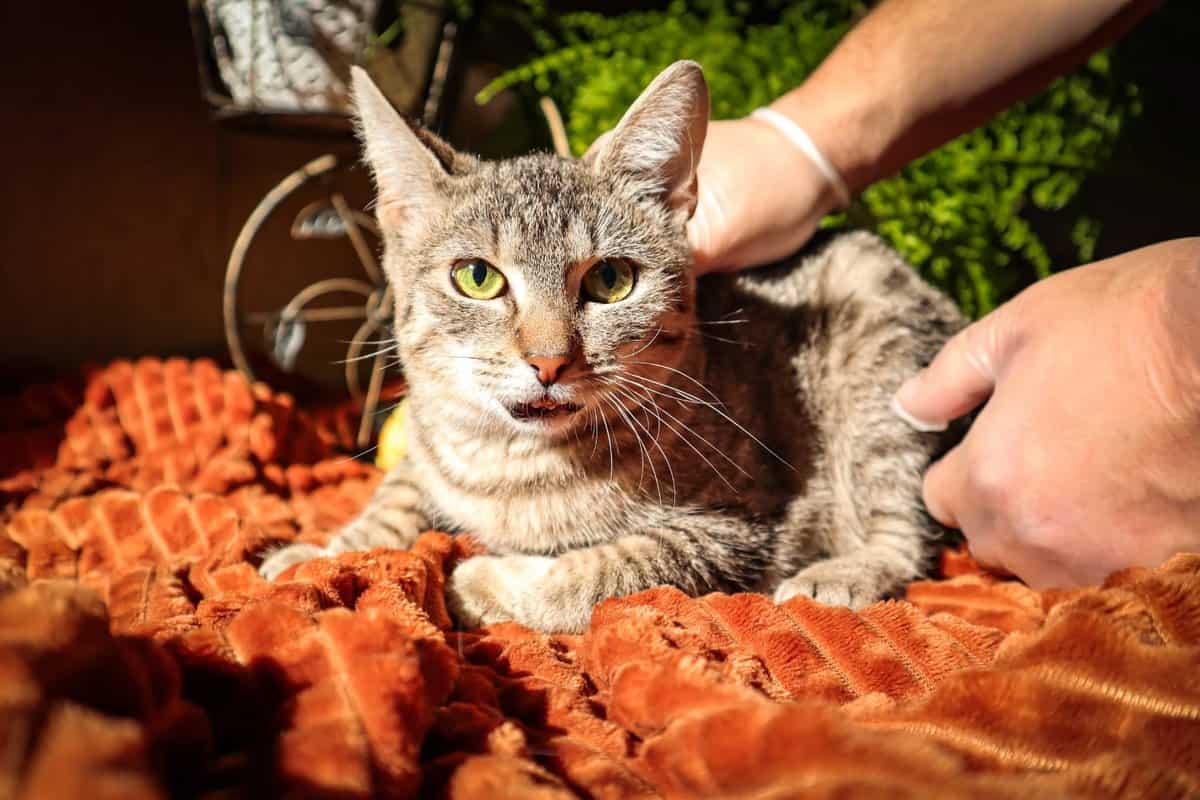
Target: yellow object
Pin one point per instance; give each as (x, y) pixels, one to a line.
(393, 438)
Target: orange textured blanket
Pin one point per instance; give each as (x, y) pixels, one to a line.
(142, 656)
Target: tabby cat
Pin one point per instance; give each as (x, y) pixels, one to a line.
(605, 423)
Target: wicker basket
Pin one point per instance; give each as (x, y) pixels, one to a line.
(289, 61)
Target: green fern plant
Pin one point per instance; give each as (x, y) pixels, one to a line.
(962, 214)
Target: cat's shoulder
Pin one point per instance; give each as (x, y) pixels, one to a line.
(838, 265)
(831, 268)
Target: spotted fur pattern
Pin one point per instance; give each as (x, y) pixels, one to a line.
(734, 434)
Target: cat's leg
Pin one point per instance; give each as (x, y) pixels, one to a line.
(695, 553)
(867, 575)
(879, 535)
(392, 518)
(881, 324)
(874, 529)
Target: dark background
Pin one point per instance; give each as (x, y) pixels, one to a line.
(122, 196)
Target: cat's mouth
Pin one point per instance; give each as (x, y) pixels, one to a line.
(544, 408)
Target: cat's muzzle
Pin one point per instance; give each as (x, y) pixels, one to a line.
(544, 408)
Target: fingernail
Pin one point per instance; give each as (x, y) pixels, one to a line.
(904, 392)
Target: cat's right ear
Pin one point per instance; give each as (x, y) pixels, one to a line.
(657, 144)
(408, 172)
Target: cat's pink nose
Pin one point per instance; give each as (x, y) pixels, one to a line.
(548, 367)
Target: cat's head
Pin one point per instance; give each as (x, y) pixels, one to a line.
(534, 294)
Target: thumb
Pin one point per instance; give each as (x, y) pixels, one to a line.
(960, 377)
(704, 230)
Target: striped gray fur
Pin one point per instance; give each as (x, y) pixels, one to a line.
(734, 433)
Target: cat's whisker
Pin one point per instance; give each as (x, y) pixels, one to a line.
(594, 411)
(595, 426)
(365, 356)
(680, 373)
(698, 327)
(699, 436)
(680, 395)
(632, 422)
(355, 456)
(621, 413)
(692, 400)
(725, 416)
(712, 338)
(647, 344)
(650, 456)
(653, 406)
(658, 443)
(680, 434)
(655, 441)
(608, 435)
(395, 362)
(388, 408)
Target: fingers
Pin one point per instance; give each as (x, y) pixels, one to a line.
(704, 230)
(960, 378)
(951, 500)
(945, 488)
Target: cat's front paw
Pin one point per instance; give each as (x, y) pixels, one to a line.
(279, 560)
(831, 584)
(487, 589)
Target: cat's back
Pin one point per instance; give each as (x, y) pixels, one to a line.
(834, 270)
(800, 347)
(825, 339)
(842, 289)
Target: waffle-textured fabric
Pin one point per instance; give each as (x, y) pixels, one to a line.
(142, 656)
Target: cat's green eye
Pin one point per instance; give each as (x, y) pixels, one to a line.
(478, 279)
(609, 281)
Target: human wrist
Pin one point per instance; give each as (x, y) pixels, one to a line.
(823, 196)
(849, 133)
(799, 139)
(858, 107)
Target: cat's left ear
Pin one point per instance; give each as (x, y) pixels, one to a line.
(410, 164)
(657, 143)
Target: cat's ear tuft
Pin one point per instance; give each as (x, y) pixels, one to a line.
(657, 144)
(409, 165)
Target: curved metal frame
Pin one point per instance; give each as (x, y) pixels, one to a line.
(375, 311)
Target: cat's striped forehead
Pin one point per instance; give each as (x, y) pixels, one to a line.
(543, 214)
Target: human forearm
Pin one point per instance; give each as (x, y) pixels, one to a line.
(916, 73)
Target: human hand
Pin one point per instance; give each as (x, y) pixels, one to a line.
(1086, 458)
(760, 198)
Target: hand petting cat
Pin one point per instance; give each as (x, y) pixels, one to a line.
(1086, 457)
(760, 199)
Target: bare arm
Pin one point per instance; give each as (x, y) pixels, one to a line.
(916, 73)
(912, 75)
